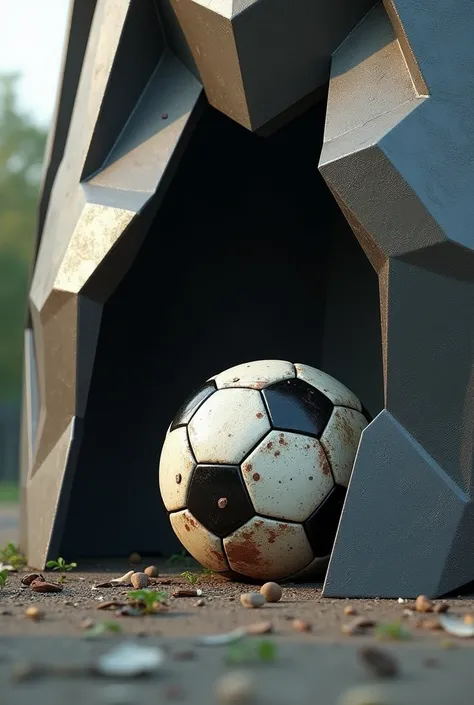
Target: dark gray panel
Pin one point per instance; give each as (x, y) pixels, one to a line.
(400, 520)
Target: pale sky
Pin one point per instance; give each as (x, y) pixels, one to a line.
(31, 42)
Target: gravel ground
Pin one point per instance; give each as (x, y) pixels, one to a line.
(317, 665)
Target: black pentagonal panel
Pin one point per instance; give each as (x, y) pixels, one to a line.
(218, 499)
(192, 404)
(294, 405)
(321, 527)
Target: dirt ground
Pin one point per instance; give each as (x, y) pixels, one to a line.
(317, 666)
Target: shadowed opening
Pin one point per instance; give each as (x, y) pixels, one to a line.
(249, 258)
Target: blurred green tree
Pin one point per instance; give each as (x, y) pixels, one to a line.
(22, 145)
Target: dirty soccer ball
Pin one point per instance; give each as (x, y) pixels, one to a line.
(255, 466)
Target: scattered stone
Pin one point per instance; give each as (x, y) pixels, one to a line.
(301, 625)
(423, 604)
(364, 695)
(111, 604)
(135, 558)
(359, 625)
(8, 567)
(188, 593)
(441, 607)
(432, 624)
(407, 612)
(378, 662)
(401, 601)
(259, 628)
(130, 660)
(124, 580)
(107, 584)
(200, 603)
(272, 592)
(87, 623)
(139, 580)
(30, 578)
(350, 611)
(34, 613)
(43, 586)
(236, 688)
(151, 571)
(252, 600)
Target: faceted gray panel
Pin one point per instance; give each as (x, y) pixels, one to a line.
(400, 164)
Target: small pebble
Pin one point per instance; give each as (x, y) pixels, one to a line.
(378, 662)
(34, 613)
(423, 604)
(252, 600)
(363, 695)
(301, 625)
(134, 557)
(236, 688)
(272, 592)
(151, 571)
(350, 611)
(139, 580)
(259, 628)
(441, 607)
(357, 626)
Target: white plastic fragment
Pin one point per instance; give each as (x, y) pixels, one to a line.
(124, 580)
(456, 626)
(222, 639)
(130, 660)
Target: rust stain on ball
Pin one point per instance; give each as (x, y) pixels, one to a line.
(256, 476)
(270, 445)
(179, 477)
(277, 453)
(248, 467)
(222, 502)
(259, 415)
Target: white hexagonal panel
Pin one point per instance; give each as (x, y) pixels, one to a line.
(255, 375)
(341, 439)
(228, 425)
(176, 465)
(198, 541)
(265, 549)
(337, 392)
(287, 476)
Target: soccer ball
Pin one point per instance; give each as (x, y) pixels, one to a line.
(255, 466)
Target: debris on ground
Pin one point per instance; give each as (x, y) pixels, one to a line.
(272, 592)
(259, 628)
(135, 557)
(111, 604)
(43, 586)
(423, 604)
(236, 688)
(378, 663)
(350, 611)
(124, 580)
(221, 639)
(139, 580)
(252, 600)
(456, 626)
(130, 660)
(358, 625)
(34, 613)
(301, 625)
(188, 593)
(151, 571)
(441, 607)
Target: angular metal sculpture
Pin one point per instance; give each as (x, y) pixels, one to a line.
(397, 155)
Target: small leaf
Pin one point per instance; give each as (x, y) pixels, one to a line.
(72, 565)
(51, 564)
(267, 651)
